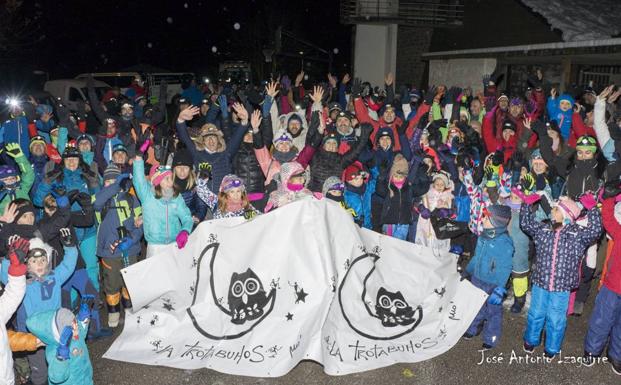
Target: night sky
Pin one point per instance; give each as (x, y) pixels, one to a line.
(67, 37)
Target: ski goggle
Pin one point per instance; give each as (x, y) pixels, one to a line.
(163, 168)
(338, 187)
(586, 141)
(234, 183)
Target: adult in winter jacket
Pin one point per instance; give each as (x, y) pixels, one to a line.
(559, 251)
(210, 147)
(184, 179)
(15, 130)
(327, 161)
(9, 301)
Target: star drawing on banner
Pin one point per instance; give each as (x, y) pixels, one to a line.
(300, 296)
(168, 306)
(289, 317)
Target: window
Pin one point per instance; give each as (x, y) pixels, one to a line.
(75, 95)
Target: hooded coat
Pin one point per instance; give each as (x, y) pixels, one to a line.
(77, 370)
(283, 195)
(563, 118)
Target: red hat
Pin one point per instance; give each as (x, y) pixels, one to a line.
(352, 170)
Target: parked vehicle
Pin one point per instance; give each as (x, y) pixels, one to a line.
(73, 90)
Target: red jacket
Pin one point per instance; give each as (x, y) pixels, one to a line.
(612, 279)
(494, 141)
(578, 129)
(362, 114)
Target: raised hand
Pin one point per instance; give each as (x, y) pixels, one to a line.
(553, 93)
(389, 79)
(272, 89)
(241, 112)
(10, 212)
(188, 114)
(299, 78)
(605, 92)
(65, 237)
(527, 122)
(255, 120)
(332, 80)
(14, 150)
(317, 95)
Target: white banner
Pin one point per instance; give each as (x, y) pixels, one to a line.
(303, 282)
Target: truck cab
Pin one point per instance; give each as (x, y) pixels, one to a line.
(73, 91)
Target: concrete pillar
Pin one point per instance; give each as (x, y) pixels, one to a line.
(375, 52)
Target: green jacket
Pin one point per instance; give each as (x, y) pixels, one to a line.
(77, 370)
(27, 180)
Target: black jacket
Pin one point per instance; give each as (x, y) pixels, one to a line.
(246, 166)
(396, 209)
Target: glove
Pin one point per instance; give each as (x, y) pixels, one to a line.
(145, 146)
(442, 212)
(65, 238)
(517, 160)
(457, 249)
(182, 239)
(17, 254)
(611, 189)
(58, 190)
(14, 150)
(539, 128)
(121, 178)
(588, 201)
(540, 182)
(62, 352)
(489, 173)
(84, 199)
(356, 88)
(527, 183)
(429, 95)
(125, 245)
(222, 102)
(424, 212)
(204, 170)
(436, 124)
(85, 311)
(497, 296)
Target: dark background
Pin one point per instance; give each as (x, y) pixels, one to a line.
(66, 37)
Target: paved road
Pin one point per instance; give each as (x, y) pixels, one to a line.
(459, 365)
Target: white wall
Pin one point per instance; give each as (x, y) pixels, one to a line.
(375, 52)
(460, 72)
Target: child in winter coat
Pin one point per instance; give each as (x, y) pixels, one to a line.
(489, 270)
(291, 188)
(605, 323)
(440, 195)
(166, 217)
(43, 289)
(9, 301)
(118, 239)
(66, 352)
(559, 251)
(185, 182)
(359, 190)
(14, 184)
(233, 199)
(560, 110)
(396, 215)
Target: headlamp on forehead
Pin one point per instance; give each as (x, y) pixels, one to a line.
(12, 102)
(36, 253)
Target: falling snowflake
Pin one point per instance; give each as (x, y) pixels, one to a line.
(236, 26)
(185, 5)
(336, 51)
(149, 45)
(305, 77)
(214, 49)
(169, 20)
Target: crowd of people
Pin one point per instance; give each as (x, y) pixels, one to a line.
(522, 189)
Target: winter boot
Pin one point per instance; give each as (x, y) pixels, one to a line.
(518, 304)
(113, 315)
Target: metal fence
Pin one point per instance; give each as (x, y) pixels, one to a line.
(436, 13)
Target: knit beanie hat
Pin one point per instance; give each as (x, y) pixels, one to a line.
(119, 147)
(294, 117)
(71, 152)
(570, 209)
(230, 182)
(332, 183)
(62, 319)
(535, 157)
(27, 208)
(586, 142)
(331, 136)
(37, 139)
(353, 170)
(37, 243)
(182, 158)
(282, 136)
(111, 172)
(158, 173)
(399, 166)
(499, 215)
(443, 177)
(7, 171)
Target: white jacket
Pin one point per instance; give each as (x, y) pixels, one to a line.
(9, 301)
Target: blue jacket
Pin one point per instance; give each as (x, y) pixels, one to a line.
(16, 131)
(361, 203)
(77, 370)
(221, 162)
(120, 209)
(163, 218)
(197, 207)
(44, 129)
(492, 259)
(43, 294)
(559, 252)
(562, 118)
(71, 180)
(194, 94)
(38, 165)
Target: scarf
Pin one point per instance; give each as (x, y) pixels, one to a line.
(182, 184)
(335, 198)
(399, 184)
(493, 232)
(234, 206)
(356, 190)
(295, 187)
(284, 157)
